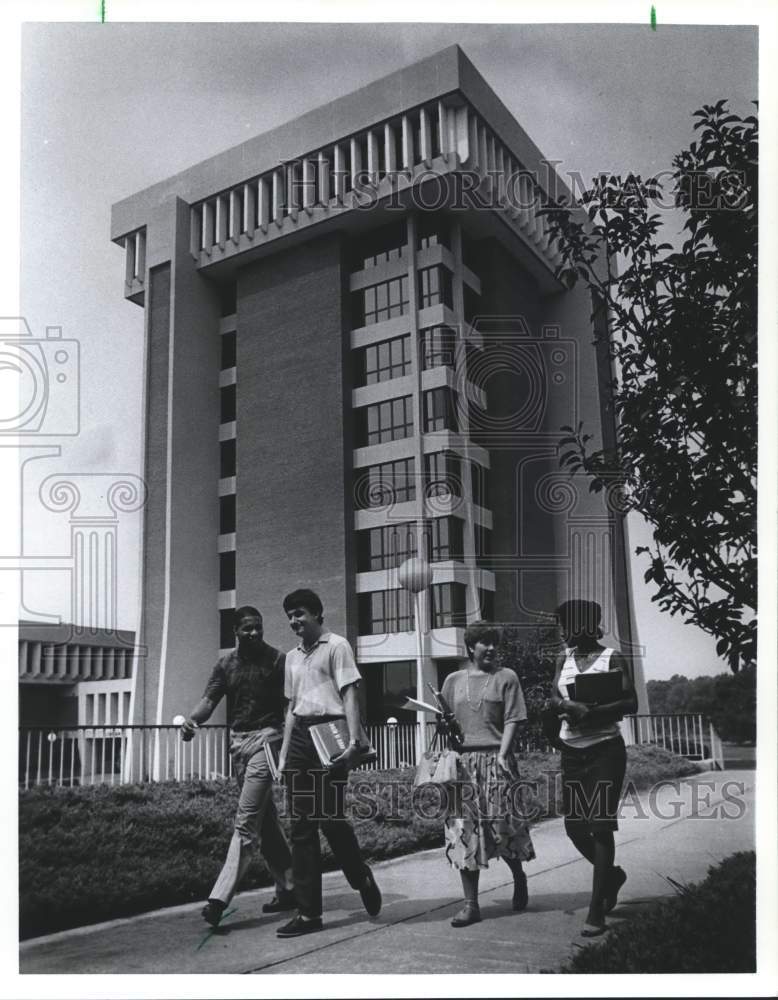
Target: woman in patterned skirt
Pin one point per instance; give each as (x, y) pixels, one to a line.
(485, 818)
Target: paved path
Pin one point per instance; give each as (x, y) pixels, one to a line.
(421, 894)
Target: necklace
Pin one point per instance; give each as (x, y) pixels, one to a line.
(477, 706)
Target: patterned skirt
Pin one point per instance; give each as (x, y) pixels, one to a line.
(486, 816)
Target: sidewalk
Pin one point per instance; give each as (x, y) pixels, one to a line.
(421, 894)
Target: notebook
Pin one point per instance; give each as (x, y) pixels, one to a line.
(331, 738)
(599, 687)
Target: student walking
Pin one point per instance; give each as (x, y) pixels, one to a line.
(321, 685)
(593, 755)
(252, 679)
(488, 703)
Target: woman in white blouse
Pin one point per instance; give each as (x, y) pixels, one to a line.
(593, 753)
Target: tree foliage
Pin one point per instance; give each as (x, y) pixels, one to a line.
(680, 326)
(728, 700)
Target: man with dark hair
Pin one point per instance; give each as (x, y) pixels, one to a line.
(321, 685)
(252, 678)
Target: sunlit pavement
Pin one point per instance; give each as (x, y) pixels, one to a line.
(675, 833)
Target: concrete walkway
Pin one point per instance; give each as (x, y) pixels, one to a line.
(689, 828)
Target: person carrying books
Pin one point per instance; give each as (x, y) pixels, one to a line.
(252, 678)
(593, 756)
(487, 822)
(321, 686)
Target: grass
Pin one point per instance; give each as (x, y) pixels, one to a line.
(96, 853)
(710, 927)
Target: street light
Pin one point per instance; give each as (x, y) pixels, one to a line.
(415, 576)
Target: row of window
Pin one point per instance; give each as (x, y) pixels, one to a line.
(392, 419)
(388, 299)
(390, 545)
(389, 359)
(388, 483)
(392, 610)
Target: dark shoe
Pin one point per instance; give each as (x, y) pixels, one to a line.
(371, 896)
(281, 903)
(213, 911)
(520, 893)
(299, 925)
(469, 914)
(616, 879)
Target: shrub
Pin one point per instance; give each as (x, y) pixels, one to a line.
(96, 853)
(710, 927)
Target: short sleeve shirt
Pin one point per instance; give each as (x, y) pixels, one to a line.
(485, 704)
(315, 678)
(254, 689)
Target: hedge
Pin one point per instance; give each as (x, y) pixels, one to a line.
(710, 927)
(96, 853)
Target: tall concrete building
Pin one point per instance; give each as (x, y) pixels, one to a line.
(356, 350)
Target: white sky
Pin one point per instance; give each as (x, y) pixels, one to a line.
(108, 109)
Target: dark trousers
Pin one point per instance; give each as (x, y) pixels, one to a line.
(316, 801)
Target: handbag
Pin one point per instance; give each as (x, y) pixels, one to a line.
(437, 767)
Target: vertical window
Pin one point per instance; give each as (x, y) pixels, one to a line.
(229, 350)
(226, 628)
(385, 611)
(385, 484)
(386, 547)
(446, 539)
(434, 286)
(383, 361)
(227, 514)
(389, 420)
(448, 605)
(443, 474)
(227, 458)
(227, 404)
(226, 571)
(440, 410)
(380, 302)
(438, 346)
(228, 298)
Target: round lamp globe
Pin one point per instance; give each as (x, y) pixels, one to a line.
(414, 575)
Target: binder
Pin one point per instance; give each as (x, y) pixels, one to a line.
(331, 738)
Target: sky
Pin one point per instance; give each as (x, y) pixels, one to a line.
(108, 109)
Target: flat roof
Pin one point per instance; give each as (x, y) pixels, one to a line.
(445, 72)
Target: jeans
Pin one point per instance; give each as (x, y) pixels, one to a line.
(316, 802)
(256, 822)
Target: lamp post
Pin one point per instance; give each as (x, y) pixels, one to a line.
(415, 576)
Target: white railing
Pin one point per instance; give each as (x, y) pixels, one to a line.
(91, 755)
(688, 735)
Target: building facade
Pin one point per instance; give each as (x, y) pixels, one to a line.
(356, 351)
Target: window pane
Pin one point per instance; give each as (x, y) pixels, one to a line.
(229, 349)
(227, 514)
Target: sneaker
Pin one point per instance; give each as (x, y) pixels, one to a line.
(281, 902)
(213, 911)
(299, 925)
(616, 879)
(520, 893)
(469, 914)
(371, 895)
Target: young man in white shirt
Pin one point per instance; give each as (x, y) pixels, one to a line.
(320, 684)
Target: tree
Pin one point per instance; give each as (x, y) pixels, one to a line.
(680, 328)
